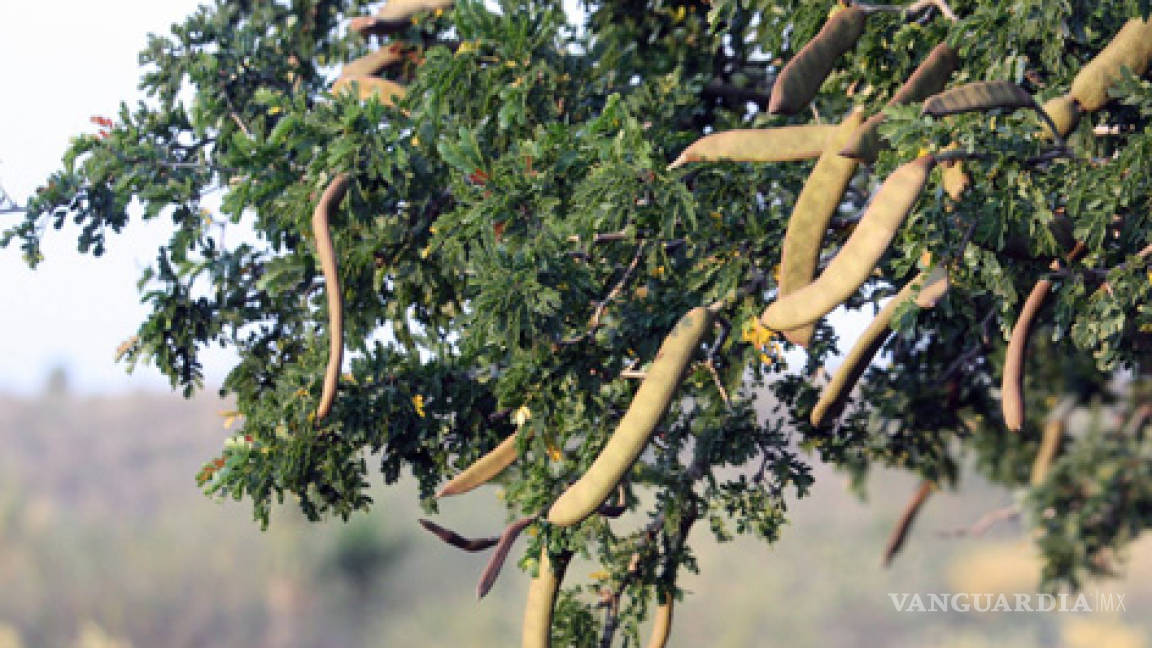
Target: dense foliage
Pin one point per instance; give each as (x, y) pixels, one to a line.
(513, 248)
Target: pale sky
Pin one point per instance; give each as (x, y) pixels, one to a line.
(60, 66)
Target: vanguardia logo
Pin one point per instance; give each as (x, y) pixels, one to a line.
(1085, 602)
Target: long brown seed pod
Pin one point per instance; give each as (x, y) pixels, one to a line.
(632, 433)
(835, 394)
(537, 629)
(374, 62)
(483, 469)
(929, 78)
(456, 540)
(327, 253)
(801, 78)
(904, 525)
(1012, 379)
(815, 206)
(507, 539)
(850, 268)
(784, 144)
(976, 96)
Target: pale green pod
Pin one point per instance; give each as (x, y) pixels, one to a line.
(783, 144)
(929, 78)
(850, 268)
(483, 469)
(662, 623)
(1130, 48)
(537, 628)
(801, 78)
(652, 399)
(1064, 113)
(815, 206)
(835, 394)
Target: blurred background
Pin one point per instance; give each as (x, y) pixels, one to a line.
(105, 541)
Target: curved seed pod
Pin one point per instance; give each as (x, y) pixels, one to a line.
(1012, 380)
(394, 16)
(662, 623)
(368, 87)
(537, 629)
(455, 539)
(904, 525)
(1011, 385)
(1130, 48)
(800, 80)
(373, 62)
(835, 394)
(980, 95)
(631, 435)
(784, 144)
(850, 268)
(507, 539)
(483, 469)
(929, 78)
(1064, 113)
(816, 204)
(327, 253)
(1049, 446)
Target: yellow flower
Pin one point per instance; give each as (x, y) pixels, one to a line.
(553, 452)
(418, 403)
(275, 110)
(522, 415)
(415, 141)
(602, 574)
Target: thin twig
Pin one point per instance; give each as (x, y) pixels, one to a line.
(594, 323)
(986, 522)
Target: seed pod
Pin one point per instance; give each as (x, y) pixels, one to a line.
(374, 62)
(784, 144)
(483, 469)
(904, 525)
(980, 95)
(1130, 48)
(648, 406)
(1064, 113)
(1012, 380)
(928, 79)
(800, 80)
(456, 540)
(1011, 386)
(816, 204)
(327, 253)
(1049, 446)
(835, 395)
(850, 268)
(537, 630)
(503, 546)
(662, 623)
(368, 87)
(395, 16)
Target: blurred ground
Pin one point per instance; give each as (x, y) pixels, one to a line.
(105, 542)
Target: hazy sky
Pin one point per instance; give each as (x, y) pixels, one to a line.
(60, 64)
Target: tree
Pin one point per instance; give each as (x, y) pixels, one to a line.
(511, 246)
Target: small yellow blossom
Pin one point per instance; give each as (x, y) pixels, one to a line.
(522, 415)
(418, 404)
(600, 575)
(553, 452)
(275, 110)
(230, 417)
(415, 141)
